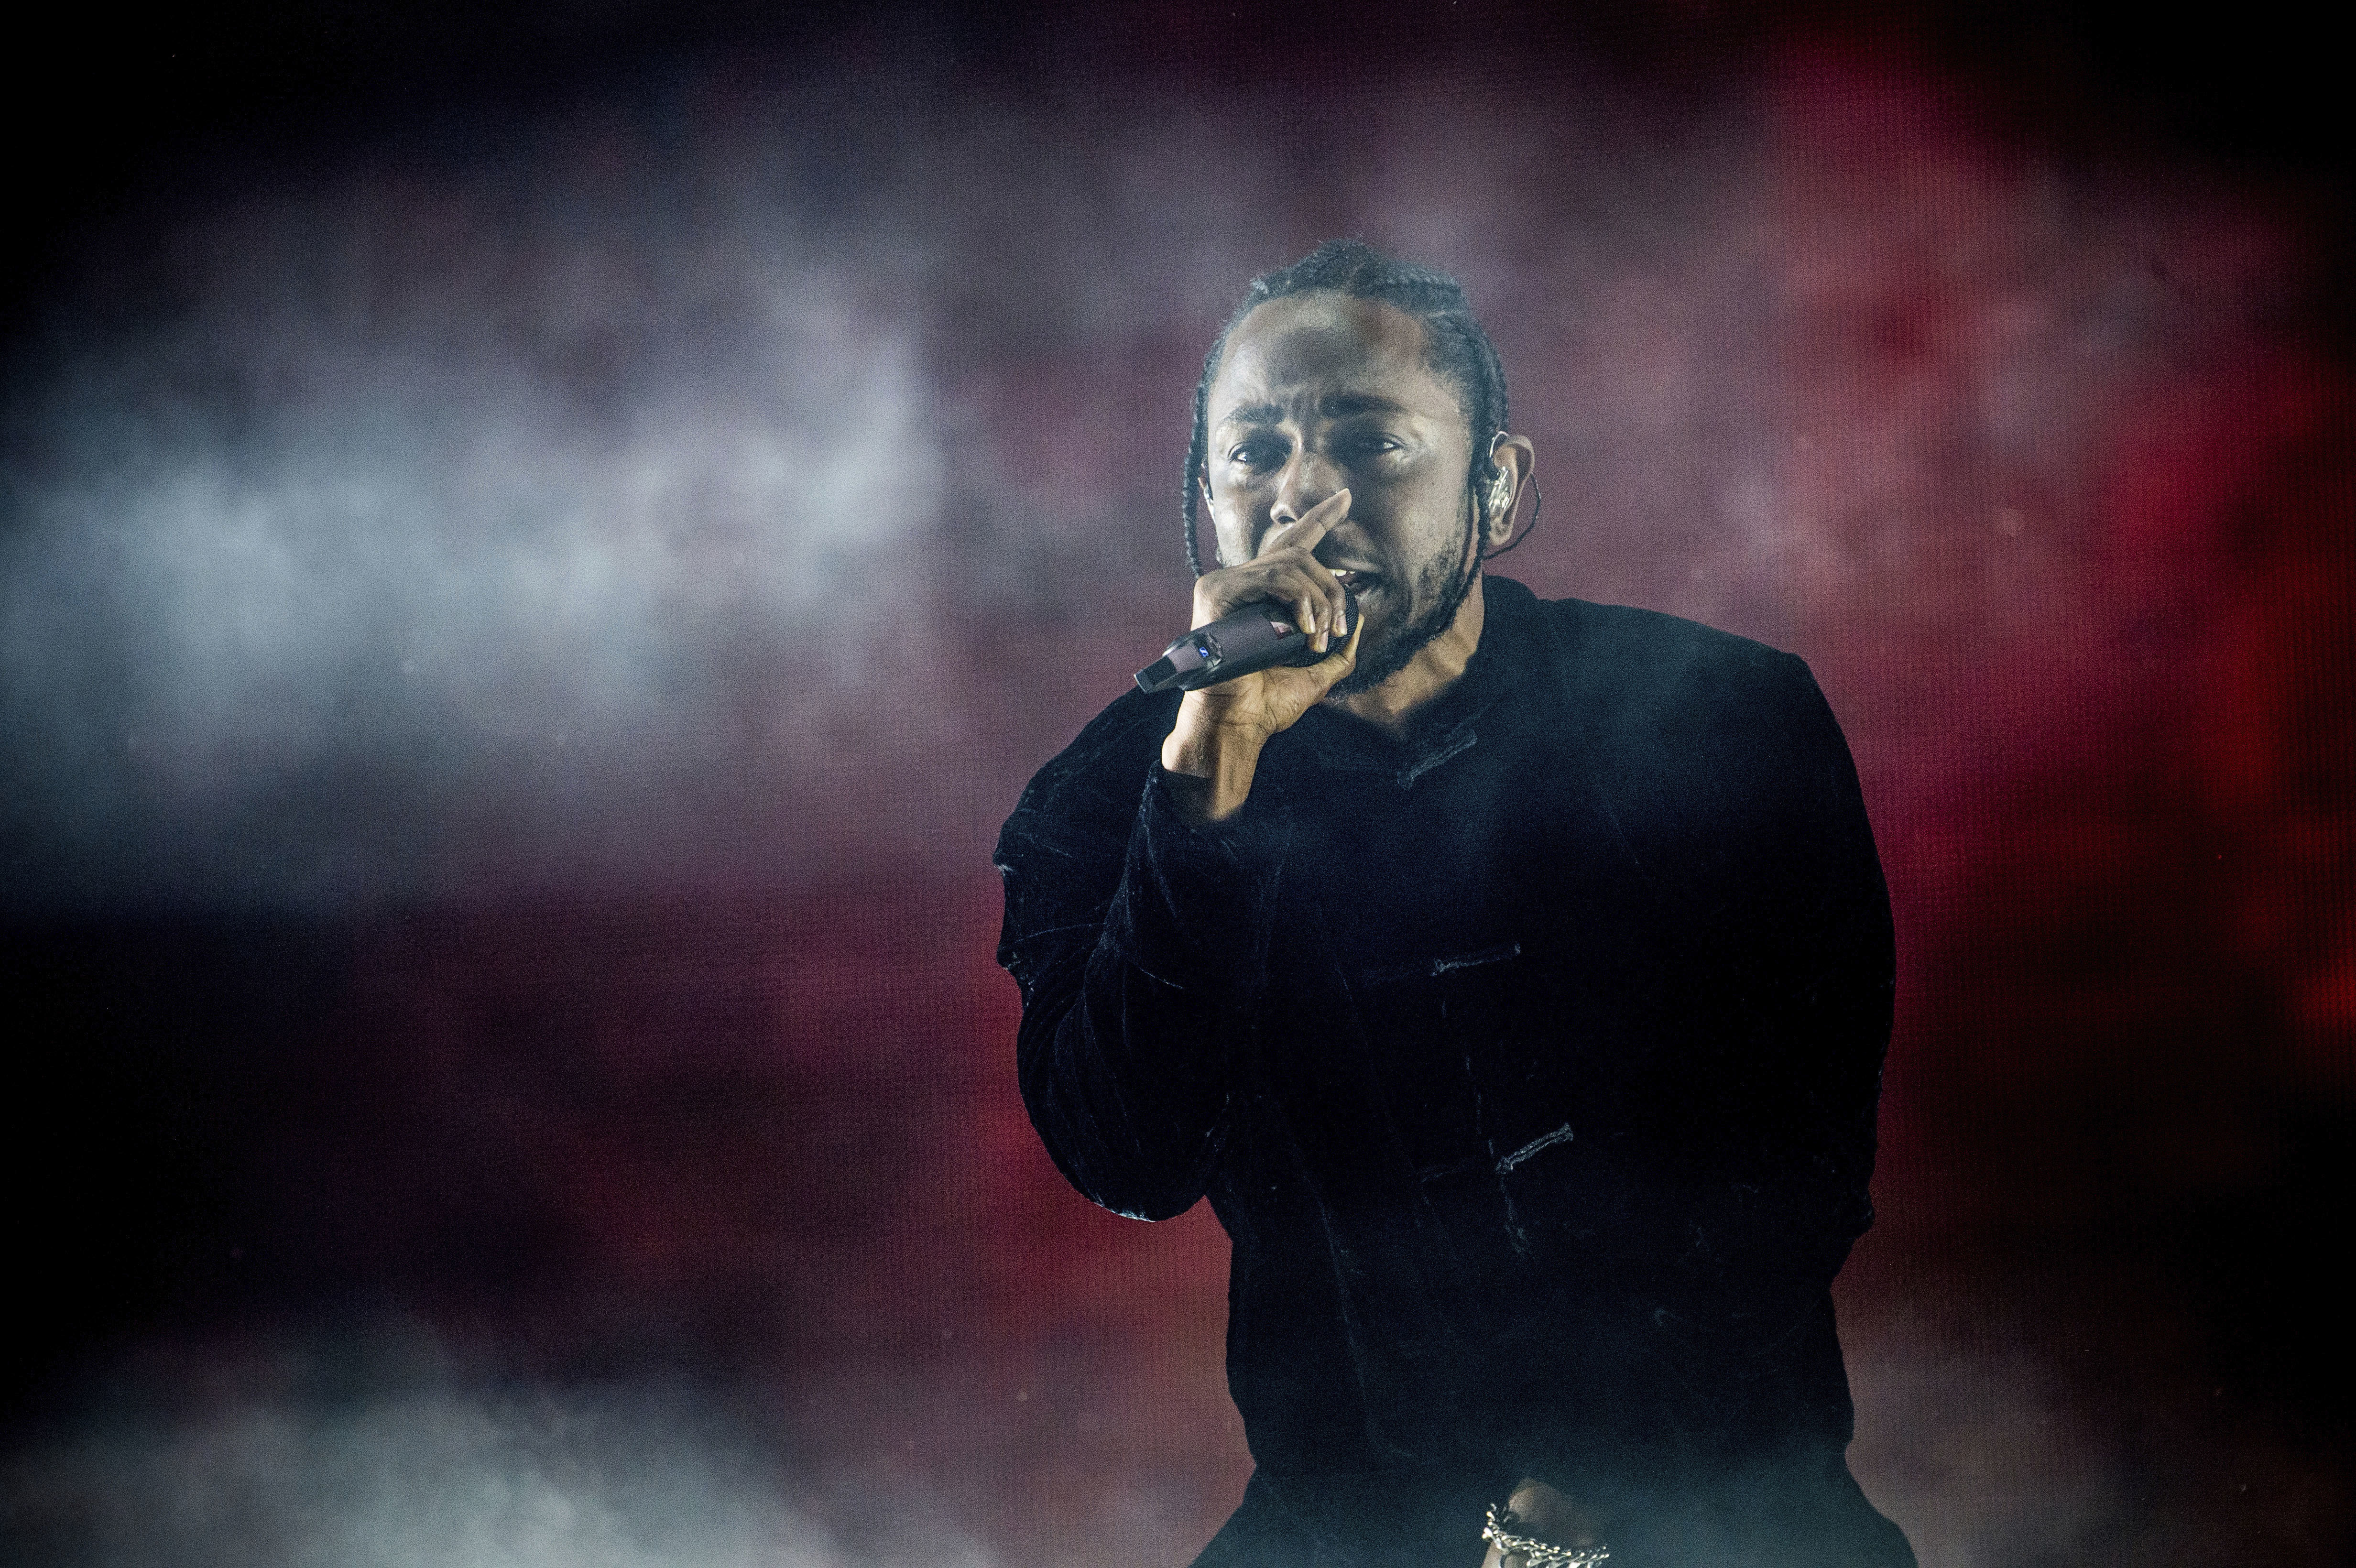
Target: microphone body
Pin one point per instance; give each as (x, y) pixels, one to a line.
(1256, 638)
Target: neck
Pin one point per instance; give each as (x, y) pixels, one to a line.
(1437, 665)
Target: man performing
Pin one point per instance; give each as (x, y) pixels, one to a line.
(1514, 981)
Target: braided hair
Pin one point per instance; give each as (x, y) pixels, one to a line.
(1455, 346)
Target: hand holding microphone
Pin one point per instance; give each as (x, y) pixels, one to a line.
(1258, 621)
(1256, 637)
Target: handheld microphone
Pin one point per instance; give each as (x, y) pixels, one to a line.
(1256, 638)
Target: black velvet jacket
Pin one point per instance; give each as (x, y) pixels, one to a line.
(1530, 1063)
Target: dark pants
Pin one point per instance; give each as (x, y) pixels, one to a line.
(1266, 1531)
(1801, 1512)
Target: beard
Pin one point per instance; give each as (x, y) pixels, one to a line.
(1442, 587)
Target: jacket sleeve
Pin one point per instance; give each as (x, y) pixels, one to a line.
(1799, 917)
(1139, 942)
(1784, 1080)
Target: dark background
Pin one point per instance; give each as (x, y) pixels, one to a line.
(538, 545)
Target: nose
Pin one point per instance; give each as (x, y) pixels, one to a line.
(1307, 478)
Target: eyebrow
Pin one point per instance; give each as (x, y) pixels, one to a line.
(1342, 405)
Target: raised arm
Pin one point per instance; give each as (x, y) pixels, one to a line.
(1142, 871)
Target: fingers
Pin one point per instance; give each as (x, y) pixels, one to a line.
(1287, 571)
(1264, 703)
(1304, 616)
(1339, 660)
(1319, 610)
(1292, 578)
(1348, 652)
(1304, 531)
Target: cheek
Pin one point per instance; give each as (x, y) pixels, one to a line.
(1233, 545)
(1231, 531)
(1429, 489)
(1427, 520)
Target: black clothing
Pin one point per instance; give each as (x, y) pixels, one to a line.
(1530, 1064)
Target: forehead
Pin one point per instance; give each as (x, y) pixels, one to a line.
(1324, 346)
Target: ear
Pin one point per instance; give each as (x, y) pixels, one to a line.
(1501, 491)
(1517, 461)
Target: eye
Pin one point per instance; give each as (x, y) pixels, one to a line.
(1257, 452)
(1370, 443)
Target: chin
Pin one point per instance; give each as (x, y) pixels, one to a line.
(1379, 659)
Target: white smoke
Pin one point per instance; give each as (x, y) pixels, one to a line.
(306, 1458)
(382, 519)
(378, 1454)
(433, 1481)
(420, 1480)
(667, 495)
